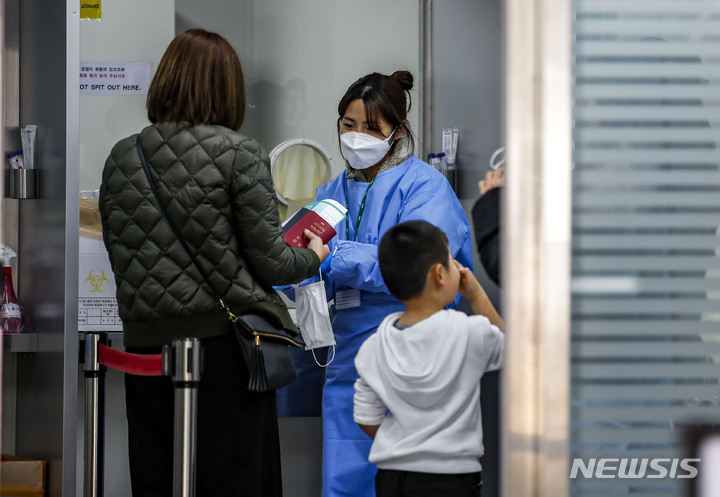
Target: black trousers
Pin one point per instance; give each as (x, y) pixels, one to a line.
(392, 483)
(238, 451)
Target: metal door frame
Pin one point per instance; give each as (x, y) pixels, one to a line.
(536, 248)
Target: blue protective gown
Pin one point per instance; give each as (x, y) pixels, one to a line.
(412, 190)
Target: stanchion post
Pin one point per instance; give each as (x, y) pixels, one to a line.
(183, 363)
(94, 415)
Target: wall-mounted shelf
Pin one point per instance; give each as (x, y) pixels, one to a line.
(21, 342)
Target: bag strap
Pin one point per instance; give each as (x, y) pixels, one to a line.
(185, 245)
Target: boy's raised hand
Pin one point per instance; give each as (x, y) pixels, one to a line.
(471, 289)
(469, 286)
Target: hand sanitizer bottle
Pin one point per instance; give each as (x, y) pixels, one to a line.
(11, 314)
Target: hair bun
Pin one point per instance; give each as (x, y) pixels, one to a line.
(405, 78)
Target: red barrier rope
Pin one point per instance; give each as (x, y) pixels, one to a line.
(139, 364)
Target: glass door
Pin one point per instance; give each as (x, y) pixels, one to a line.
(645, 344)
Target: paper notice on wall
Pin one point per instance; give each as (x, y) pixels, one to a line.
(114, 78)
(97, 305)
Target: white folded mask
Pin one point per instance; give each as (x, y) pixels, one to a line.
(313, 318)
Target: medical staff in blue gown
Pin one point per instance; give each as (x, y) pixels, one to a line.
(384, 184)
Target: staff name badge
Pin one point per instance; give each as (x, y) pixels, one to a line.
(347, 299)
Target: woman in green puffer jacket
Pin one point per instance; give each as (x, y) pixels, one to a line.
(217, 188)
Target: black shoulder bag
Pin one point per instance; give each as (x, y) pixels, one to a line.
(265, 347)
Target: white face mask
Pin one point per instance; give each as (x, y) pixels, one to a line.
(313, 318)
(362, 150)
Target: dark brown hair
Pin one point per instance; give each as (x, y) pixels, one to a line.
(383, 96)
(199, 81)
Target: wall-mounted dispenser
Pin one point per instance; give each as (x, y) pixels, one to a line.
(449, 144)
(21, 178)
(21, 183)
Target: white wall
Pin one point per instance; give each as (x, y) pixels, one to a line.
(129, 31)
(300, 57)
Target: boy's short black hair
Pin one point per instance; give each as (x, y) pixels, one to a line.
(407, 252)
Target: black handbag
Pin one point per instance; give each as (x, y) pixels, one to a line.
(265, 347)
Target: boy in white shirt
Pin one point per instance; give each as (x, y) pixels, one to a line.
(418, 394)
